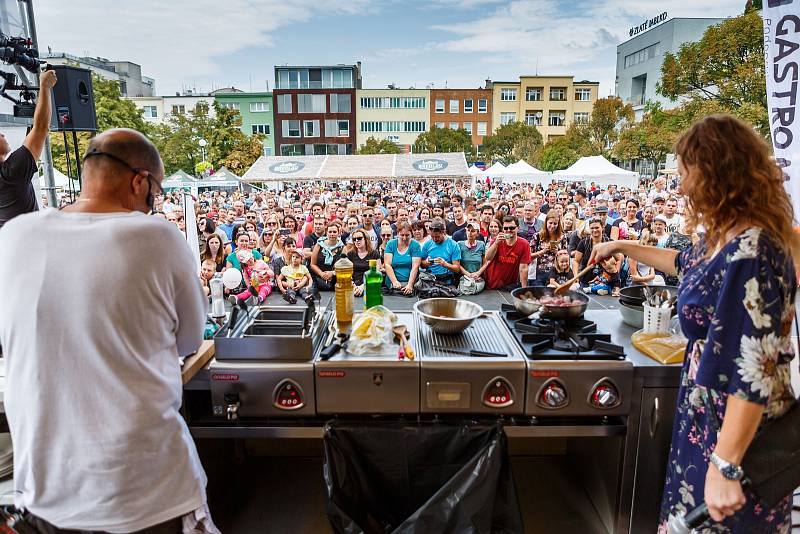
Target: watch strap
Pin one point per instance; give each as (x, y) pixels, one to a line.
(728, 470)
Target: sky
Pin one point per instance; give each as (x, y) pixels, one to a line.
(208, 44)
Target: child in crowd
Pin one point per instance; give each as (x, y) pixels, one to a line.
(561, 273)
(295, 279)
(257, 278)
(207, 270)
(606, 278)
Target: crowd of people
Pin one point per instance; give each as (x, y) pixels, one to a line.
(488, 236)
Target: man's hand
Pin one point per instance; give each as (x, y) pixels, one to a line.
(47, 80)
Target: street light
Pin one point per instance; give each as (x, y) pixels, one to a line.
(202, 143)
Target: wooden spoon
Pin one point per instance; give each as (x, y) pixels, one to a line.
(400, 332)
(563, 289)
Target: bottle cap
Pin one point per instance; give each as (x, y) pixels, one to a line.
(373, 264)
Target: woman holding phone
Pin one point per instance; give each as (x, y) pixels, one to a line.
(544, 245)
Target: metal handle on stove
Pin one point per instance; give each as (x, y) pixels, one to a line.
(655, 417)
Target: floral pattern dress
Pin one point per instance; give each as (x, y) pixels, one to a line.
(736, 309)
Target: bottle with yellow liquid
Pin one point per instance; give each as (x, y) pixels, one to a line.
(344, 293)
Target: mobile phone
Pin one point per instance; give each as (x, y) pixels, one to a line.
(284, 231)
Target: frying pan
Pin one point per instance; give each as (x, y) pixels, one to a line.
(551, 312)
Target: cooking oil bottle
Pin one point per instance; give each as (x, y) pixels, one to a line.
(373, 281)
(344, 293)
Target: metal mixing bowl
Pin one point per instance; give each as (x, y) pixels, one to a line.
(448, 315)
(632, 315)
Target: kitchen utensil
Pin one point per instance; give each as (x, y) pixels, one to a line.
(401, 332)
(471, 352)
(636, 295)
(632, 315)
(523, 305)
(447, 316)
(564, 288)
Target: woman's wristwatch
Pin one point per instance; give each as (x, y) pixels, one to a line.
(729, 471)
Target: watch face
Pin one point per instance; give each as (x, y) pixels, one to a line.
(731, 472)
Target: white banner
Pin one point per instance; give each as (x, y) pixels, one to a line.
(191, 228)
(781, 60)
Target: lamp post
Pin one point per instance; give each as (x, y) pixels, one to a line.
(202, 143)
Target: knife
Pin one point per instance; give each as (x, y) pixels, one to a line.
(473, 352)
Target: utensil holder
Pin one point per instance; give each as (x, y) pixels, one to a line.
(656, 319)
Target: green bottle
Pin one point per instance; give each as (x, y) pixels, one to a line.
(373, 281)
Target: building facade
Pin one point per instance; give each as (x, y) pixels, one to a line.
(315, 109)
(551, 103)
(639, 59)
(157, 109)
(467, 109)
(396, 115)
(126, 73)
(256, 110)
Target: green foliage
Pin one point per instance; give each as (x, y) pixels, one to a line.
(444, 140)
(512, 142)
(375, 146)
(609, 117)
(244, 153)
(558, 154)
(653, 137)
(724, 71)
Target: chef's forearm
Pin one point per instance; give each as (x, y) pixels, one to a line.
(738, 428)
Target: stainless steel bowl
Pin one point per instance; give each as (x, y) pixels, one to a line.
(632, 315)
(448, 315)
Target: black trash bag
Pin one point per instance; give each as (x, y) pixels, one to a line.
(427, 287)
(419, 478)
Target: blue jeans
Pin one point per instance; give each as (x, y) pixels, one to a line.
(599, 287)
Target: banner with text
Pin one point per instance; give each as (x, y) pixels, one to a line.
(781, 60)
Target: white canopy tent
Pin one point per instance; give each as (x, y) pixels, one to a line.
(497, 170)
(599, 170)
(180, 180)
(357, 167)
(524, 173)
(222, 178)
(475, 174)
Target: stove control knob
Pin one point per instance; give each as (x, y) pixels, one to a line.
(605, 395)
(498, 393)
(288, 395)
(233, 403)
(553, 395)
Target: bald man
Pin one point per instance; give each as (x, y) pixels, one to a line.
(92, 326)
(17, 195)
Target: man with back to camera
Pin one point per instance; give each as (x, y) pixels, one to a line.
(17, 194)
(93, 380)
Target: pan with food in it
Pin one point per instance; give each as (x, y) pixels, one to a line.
(530, 299)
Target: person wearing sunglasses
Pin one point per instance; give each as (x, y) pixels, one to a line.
(507, 258)
(360, 255)
(131, 284)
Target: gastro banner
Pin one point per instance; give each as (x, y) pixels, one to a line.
(781, 59)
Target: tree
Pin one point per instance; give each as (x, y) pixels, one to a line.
(653, 137)
(609, 117)
(557, 154)
(725, 68)
(512, 142)
(444, 140)
(375, 146)
(244, 153)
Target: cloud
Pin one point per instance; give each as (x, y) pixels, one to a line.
(175, 41)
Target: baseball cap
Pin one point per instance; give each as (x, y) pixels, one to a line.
(437, 225)
(601, 208)
(658, 198)
(474, 225)
(661, 218)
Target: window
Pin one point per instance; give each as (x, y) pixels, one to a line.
(340, 103)
(468, 127)
(581, 117)
(558, 93)
(454, 106)
(311, 103)
(150, 112)
(262, 129)
(507, 117)
(508, 95)
(292, 150)
(315, 78)
(440, 105)
(290, 128)
(556, 118)
(454, 126)
(311, 128)
(266, 150)
(393, 102)
(229, 105)
(482, 105)
(284, 103)
(481, 128)
(533, 118)
(438, 125)
(583, 95)
(467, 105)
(343, 128)
(641, 56)
(257, 107)
(395, 126)
(181, 109)
(533, 94)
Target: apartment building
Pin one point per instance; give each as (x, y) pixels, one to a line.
(315, 109)
(396, 115)
(467, 109)
(126, 73)
(256, 110)
(550, 103)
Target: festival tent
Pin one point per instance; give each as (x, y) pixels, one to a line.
(497, 170)
(357, 167)
(599, 170)
(222, 178)
(523, 172)
(62, 181)
(474, 173)
(178, 180)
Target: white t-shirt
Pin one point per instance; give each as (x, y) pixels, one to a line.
(674, 223)
(95, 311)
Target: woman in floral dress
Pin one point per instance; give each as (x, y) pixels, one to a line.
(736, 307)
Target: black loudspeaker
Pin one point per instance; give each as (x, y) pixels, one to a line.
(73, 100)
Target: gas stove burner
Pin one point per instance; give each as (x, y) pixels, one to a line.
(541, 325)
(570, 346)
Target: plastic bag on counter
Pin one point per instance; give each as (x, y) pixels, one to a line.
(372, 330)
(419, 478)
(663, 347)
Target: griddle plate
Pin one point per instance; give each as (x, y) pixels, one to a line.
(485, 334)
